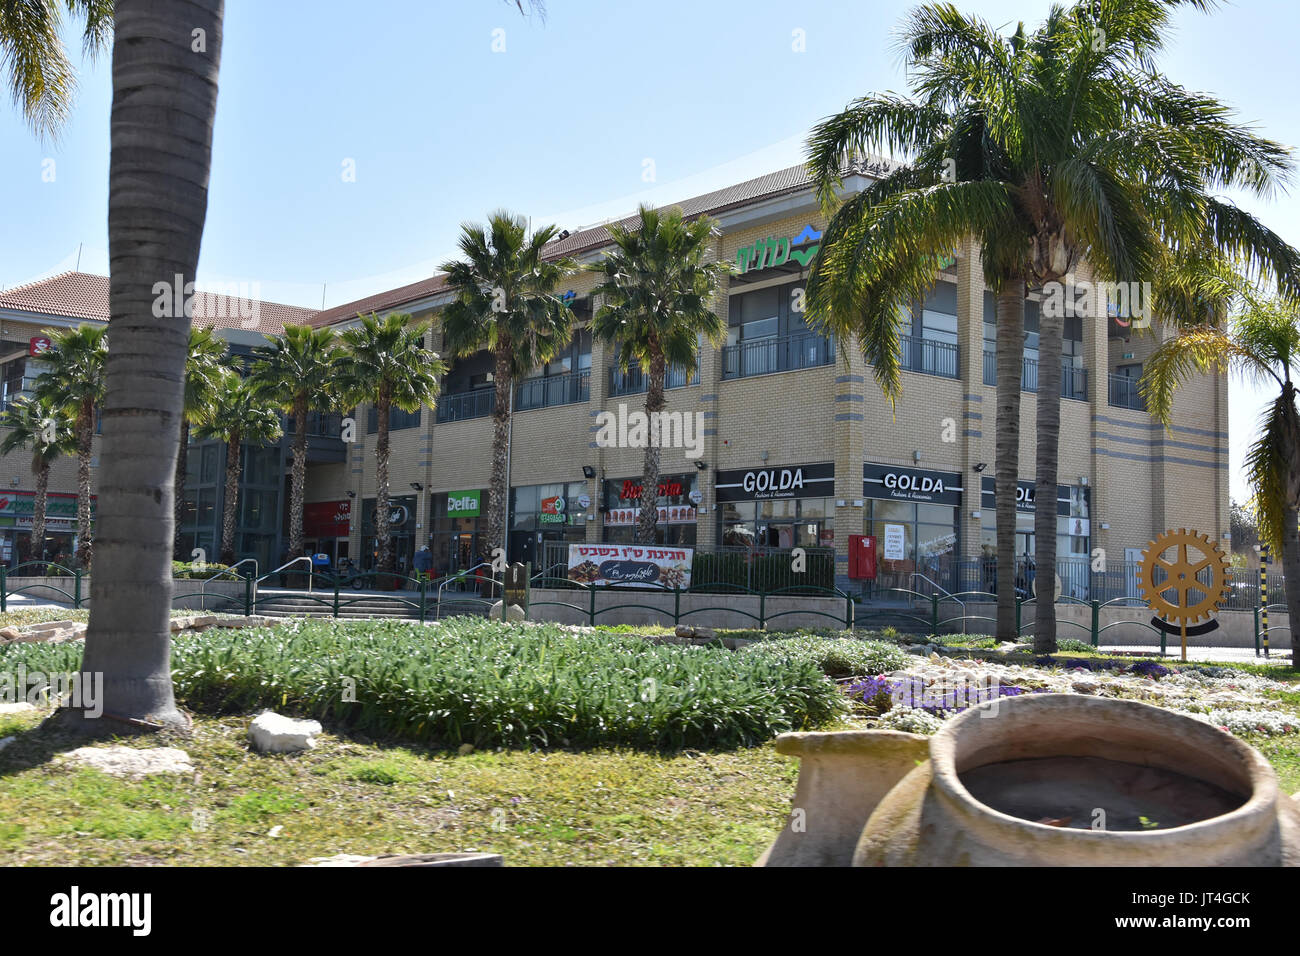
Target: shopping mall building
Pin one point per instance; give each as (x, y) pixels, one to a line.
(797, 446)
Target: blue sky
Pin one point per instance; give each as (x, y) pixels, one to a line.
(559, 126)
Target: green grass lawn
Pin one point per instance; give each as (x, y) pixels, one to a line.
(596, 805)
(591, 808)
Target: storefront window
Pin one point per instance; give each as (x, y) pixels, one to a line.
(779, 507)
(912, 515)
(677, 518)
(458, 530)
(401, 523)
(544, 519)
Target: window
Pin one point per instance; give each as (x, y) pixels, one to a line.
(767, 332)
(397, 420)
(779, 523)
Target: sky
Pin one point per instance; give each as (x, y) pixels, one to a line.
(444, 110)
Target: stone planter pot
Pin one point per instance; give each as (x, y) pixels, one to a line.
(1026, 788)
(842, 778)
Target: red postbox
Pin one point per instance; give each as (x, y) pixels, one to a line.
(862, 557)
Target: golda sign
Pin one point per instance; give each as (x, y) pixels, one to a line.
(911, 484)
(760, 484)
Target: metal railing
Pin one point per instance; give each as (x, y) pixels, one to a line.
(635, 380)
(760, 569)
(1112, 581)
(1123, 393)
(780, 353)
(928, 356)
(1074, 379)
(465, 405)
(552, 390)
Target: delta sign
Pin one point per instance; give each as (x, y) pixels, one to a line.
(464, 504)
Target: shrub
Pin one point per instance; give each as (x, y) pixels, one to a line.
(490, 684)
(1071, 645)
(835, 656)
(185, 569)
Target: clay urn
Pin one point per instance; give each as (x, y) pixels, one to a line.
(1041, 780)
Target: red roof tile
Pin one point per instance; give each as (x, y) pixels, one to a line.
(80, 295)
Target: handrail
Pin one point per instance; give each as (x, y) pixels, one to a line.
(288, 564)
(231, 568)
(947, 594)
(461, 576)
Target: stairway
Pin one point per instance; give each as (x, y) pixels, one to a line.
(357, 606)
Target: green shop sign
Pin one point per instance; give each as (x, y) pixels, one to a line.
(463, 504)
(770, 252)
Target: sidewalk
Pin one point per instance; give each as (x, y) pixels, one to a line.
(1236, 655)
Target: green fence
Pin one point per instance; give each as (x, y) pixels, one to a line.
(637, 596)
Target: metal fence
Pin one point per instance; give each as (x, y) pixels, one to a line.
(760, 570)
(1084, 580)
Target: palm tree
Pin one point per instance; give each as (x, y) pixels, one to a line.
(47, 430)
(205, 366)
(237, 414)
(75, 382)
(1076, 144)
(295, 373)
(384, 362)
(40, 77)
(165, 65)
(1261, 341)
(655, 291)
(505, 301)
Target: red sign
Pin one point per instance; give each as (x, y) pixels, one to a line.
(553, 506)
(667, 489)
(38, 345)
(327, 519)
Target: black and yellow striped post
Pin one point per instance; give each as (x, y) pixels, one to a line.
(1263, 595)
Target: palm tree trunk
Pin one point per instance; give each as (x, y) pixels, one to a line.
(1010, 364)
(178, 506)
(383, 529)
(164, 103)
(499, 494)
(85, 440)
(1291, 569)
(654, 404)
(230, 507)
(1048, 446)
(298, 479)
(39, 506)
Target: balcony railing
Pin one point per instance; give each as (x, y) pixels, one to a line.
(554, 390)
(1074, 380)
(319, 425)
(634, 380)
(1124, 393)
(782, 353)
(465, 405)
(928, 356)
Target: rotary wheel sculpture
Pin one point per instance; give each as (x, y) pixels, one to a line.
(1189, 597)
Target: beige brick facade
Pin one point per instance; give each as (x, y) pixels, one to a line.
(1141, 478)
